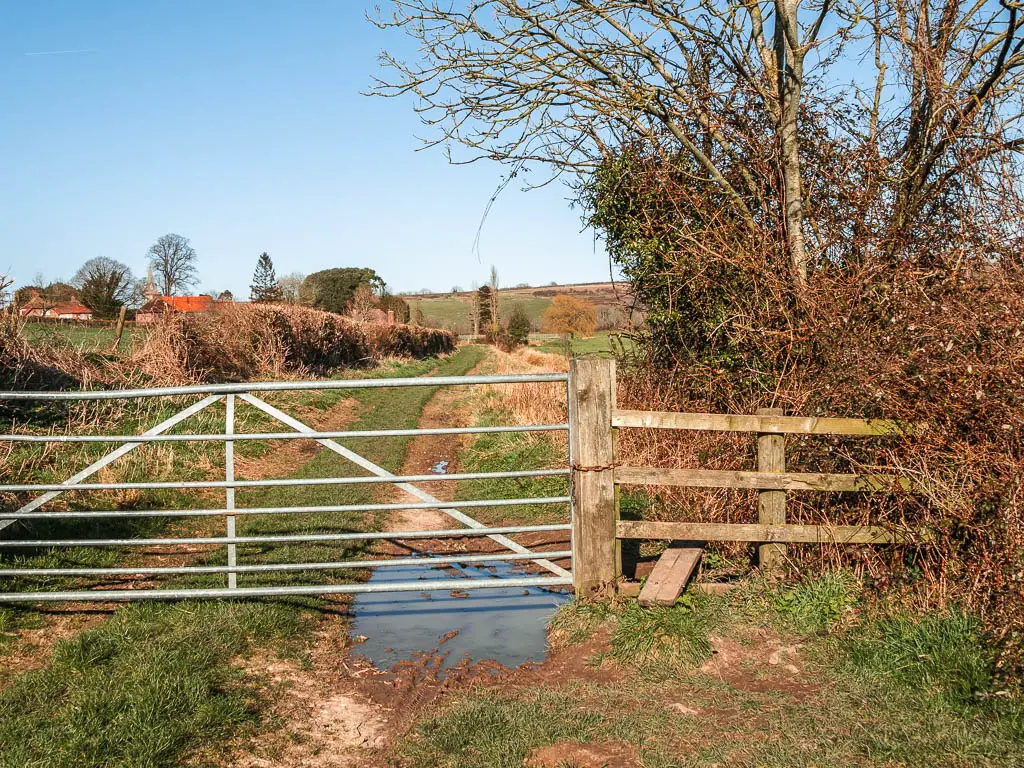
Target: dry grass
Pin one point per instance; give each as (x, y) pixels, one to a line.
(543, 403)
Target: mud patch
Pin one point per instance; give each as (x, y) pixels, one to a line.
(758, 663)
(579, 755)
(324, 720)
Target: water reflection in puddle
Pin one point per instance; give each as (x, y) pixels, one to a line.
(507, 625)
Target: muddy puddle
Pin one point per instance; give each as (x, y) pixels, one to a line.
(506, 625)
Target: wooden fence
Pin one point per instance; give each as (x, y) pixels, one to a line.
(596, 474)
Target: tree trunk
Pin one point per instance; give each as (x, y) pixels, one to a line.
(791, 75)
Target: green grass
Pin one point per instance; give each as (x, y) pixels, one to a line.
(601, 344)
(456, 313)
(85, 338)
(143, 688)
(814, 605)
(663, 640)
(871, 689)
(941, 655)
(496, 730)
(156, 681)
(490, 728)
(453, 313)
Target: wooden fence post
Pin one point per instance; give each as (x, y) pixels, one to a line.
(592, 389)
(771, 505)
(119, 329)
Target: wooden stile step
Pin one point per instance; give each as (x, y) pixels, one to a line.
(668, 579)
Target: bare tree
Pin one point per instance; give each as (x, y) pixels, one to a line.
(5, 283)
(493, 283)
(105, 285)
(290, 285)
(362, 303)
(723, 88)
(174, 263)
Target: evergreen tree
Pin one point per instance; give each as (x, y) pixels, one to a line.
(484, 308)
(519, 325)
(264, 288)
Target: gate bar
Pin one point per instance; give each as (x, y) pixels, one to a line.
(423, 585)
(18, 438)
(285, 482)
(229, 492)
(221, 540)
(285, 386)
(108, 513)
(178, 569)
(96, 466)
(400, 483)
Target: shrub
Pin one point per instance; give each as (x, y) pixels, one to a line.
(332, 289)
(569, 315)
(245, 341)
(924, 328)
(519, 325)
(396, 304)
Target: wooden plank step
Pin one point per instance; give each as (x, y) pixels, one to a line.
(670, 574)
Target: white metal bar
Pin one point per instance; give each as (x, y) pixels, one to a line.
(274, 567)
(113, 456)
(405, 486)
(113, 513)
(284, 386)
(340, 435)
(423, 585)
(229, 492)
(185, 484)
(282, 538)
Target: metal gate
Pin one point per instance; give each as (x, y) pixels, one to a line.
(234, 395)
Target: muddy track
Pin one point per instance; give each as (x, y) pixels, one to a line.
(339, 710)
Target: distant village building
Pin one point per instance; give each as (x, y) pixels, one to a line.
(69, 309)
(157, 305)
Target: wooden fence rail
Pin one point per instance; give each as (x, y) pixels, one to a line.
(596, 476)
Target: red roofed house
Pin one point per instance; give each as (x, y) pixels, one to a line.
(70, 309)
(157, 306)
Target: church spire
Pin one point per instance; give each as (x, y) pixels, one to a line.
(150, 291)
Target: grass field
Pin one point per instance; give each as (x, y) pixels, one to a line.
(745, 680)
(155, 682)
(601, 344)
(814, 673)
(86, 338)
(454, 311)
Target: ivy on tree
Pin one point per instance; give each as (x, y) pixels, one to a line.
(264, 288)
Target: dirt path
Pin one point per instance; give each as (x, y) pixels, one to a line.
(337, 711)
(447, 409)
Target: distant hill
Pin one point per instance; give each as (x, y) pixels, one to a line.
(454, 310)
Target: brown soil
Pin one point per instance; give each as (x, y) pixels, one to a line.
(424, 453)
(759, 662)
(578, 755)
(325, 720)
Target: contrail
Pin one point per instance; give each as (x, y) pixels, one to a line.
(61, 53)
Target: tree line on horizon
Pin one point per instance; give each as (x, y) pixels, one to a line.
(105, 285)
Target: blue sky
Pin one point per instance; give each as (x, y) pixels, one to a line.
(241, 126)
